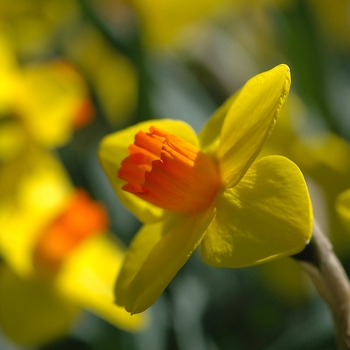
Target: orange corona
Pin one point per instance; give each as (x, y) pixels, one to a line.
(169, 172)
(81, 219)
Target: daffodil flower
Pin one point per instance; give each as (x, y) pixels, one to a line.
(48, 99)
(207, 189)
(58, 256)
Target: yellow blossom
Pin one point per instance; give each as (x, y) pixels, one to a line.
(58, 256)
(48, 99)
(207, 189)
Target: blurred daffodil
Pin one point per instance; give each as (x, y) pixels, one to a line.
(32, 28)
(48, 99)
(57, 255)
(52, 101)
(190, 189)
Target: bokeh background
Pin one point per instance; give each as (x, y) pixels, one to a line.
(72, 71)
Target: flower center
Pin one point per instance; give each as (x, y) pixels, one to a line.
(169, 172)
(82, 218)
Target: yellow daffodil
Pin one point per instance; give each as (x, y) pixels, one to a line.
(48, 99)
(207, 189)
(52, 101)
(57, 256)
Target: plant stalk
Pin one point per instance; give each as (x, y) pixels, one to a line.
(331, 281)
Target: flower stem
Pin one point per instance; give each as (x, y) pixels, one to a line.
(326, 272)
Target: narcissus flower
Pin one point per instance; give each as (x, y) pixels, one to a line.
(207, 189)
(57, 255)
(47, 100)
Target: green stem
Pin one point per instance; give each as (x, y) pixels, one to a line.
(331, 281)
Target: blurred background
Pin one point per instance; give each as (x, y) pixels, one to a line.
(72, 71)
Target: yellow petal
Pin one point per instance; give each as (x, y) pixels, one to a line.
(250, 121)
(266, 216)
(31, 311)
(114, 148)
(50, 99)
(39, 193)
(88, 277)
(141, 246)
(9, 74)
(209, 137)
(343, 208)
(156, 254)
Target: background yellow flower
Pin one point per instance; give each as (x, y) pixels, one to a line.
(56, 258)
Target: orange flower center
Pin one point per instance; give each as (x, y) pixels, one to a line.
(84, 114)
(169, 172)
(82, 218)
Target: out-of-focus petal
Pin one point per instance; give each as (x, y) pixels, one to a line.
(9, 74)
(266, 216)
(114, 148)
(31, 311)
(88, 277)
(52, 99)
(37, 197)
(250, 121)
(155, 255)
